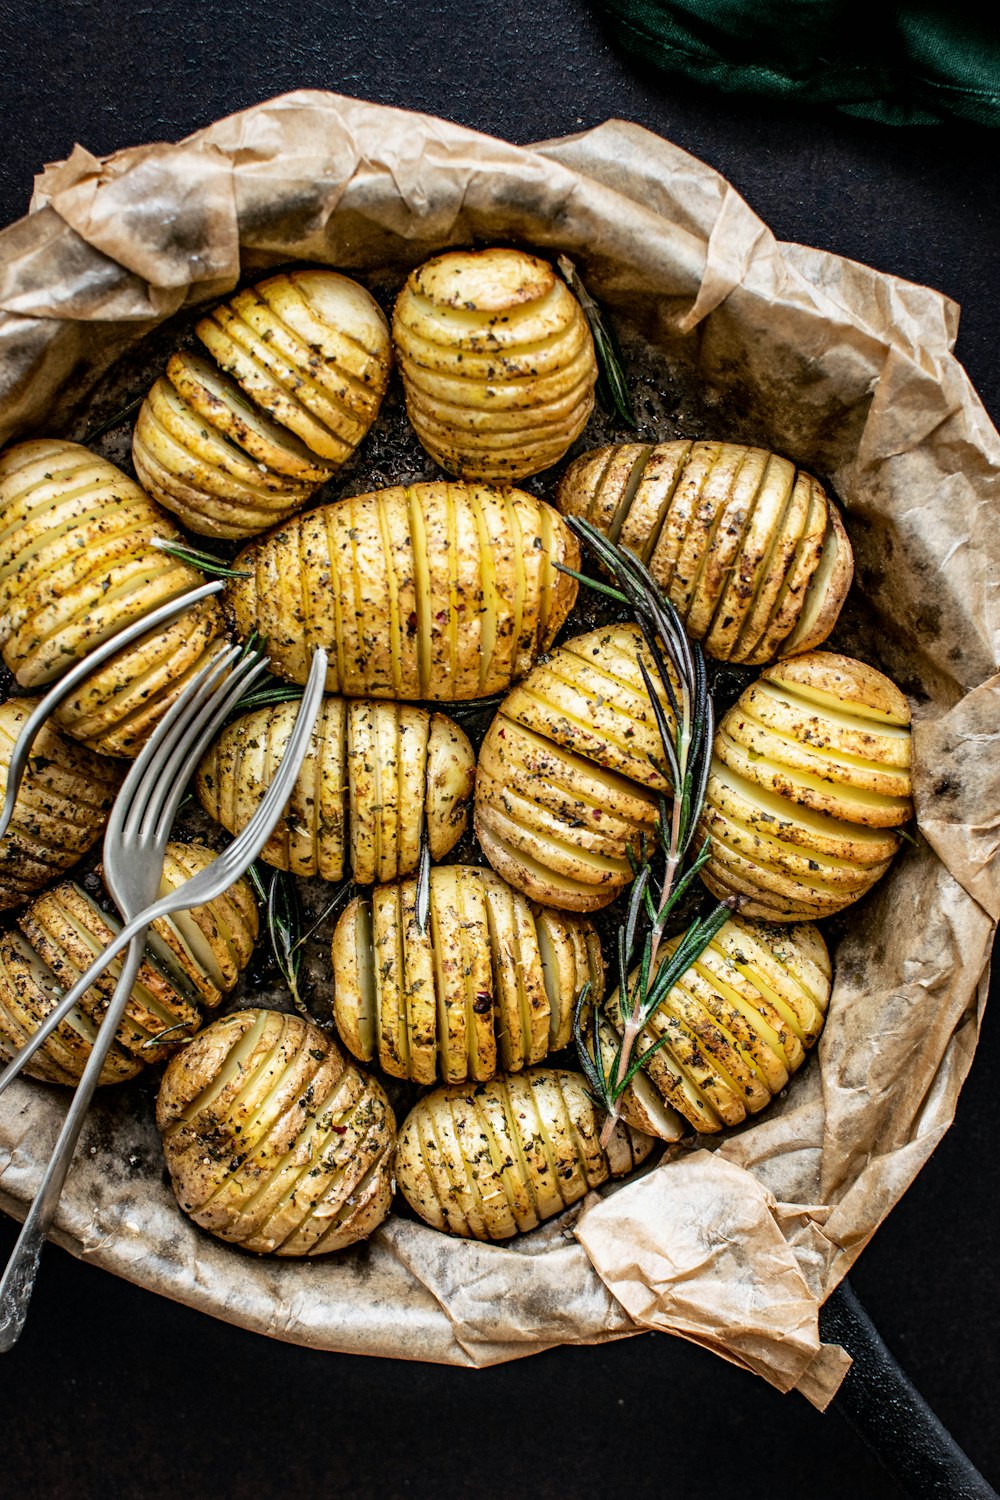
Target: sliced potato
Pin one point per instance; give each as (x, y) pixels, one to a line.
(751, 552)
(62, 804)
(497, 361)
(810, 775)
(737, 1024)
(272, 1141)
(375, 777)
(488, 979)
(434, 591)
(490, 1161)
(568, 778)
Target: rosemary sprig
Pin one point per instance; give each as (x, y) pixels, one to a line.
(205, 562)
(267, 689)
(612, 387)
(687, 750)
(115, 420)
(278, 895)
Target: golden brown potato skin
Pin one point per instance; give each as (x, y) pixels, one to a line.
(436, 591)
(494, 1160)
(62, 805)
(749, 549)
(810, 776)
(192, 960)
(310, 350)
(273, 1142)
(375, 776)
(489, 982)
(565, 784)
(497, 361)
(77, 563)
(738, 1023)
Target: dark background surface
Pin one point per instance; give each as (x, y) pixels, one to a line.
(115, 1392)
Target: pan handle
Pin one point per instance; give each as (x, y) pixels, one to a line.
(889, 1414)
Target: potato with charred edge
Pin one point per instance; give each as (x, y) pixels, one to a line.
(568, 778)
(376, 776)
(77, 564)
(497, 361)
(309, 354)
(192, 960)
(272, 1140)
(435, 591)
(750, 550)
(738, 1023)
(487, 983)
(810, 777)
(496, 1160)
(62, 804)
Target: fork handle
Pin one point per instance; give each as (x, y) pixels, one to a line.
(18, 1280)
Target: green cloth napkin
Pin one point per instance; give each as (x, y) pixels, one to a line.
(901, 64)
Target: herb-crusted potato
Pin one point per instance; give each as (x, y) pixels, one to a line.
(310, 355)
(497, 361)
(61, 807)
(192, 959)
(737, 1024)
(749, 549)
(810, 775)
(436, 591)
(374, 777)
(77, 563)
(273, 1141)
(494, 1160)
(488, 983)
(566, 782)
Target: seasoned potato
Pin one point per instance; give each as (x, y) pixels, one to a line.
(436, 591)
(810, 775)
(375, 775)
(737, 1023)
(490, 1161)
(749, 549)
(192, 960)
(62, 804)
(488, 983)
(77, 564)
(566, 784)
(310, 349)
(497, 361)
(274, 1142)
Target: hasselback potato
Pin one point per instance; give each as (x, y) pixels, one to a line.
(497, 362)
(738, 1023)
(489, 1161)
(62, 804)
(77, 563)
(810, 776)
(565, 784)
(274, 1142)
(192, 960)
(487, 983)
(310, 355)
(436, 591)
(375, 776)
(749, 549)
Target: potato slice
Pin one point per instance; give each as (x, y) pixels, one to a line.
(477, 983)
(489, 1162)
(398, 768)
(497, 361)
(272, 1141)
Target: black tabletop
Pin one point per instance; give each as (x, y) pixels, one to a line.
(112, 1391)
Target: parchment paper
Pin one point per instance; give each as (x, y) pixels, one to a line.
(733, 1244)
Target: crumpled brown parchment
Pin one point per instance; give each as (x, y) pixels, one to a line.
(733, 1244)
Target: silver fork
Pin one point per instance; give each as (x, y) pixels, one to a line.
(133, 860)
